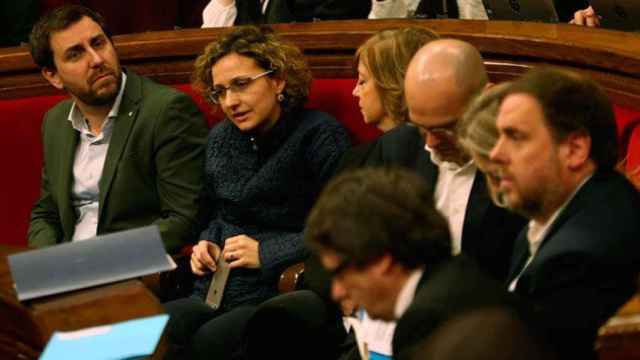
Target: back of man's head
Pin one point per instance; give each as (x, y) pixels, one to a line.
(56, 20)
(365, 214)
(446, 70)
(574, 103)
(483, 334)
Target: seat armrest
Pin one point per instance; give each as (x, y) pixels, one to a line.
(291, 277)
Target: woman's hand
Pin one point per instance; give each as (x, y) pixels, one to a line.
(241, 251)
(204, 256)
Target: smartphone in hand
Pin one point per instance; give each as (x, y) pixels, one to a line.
(218, 282)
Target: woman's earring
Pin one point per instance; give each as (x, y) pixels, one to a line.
(280, 98)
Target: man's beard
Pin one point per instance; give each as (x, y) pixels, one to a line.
(91, 98)
(538, 204)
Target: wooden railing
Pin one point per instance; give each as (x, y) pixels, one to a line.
(509, 48)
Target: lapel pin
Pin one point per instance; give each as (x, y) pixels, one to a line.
(130, 113)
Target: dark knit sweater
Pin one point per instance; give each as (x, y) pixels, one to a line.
(263, 187)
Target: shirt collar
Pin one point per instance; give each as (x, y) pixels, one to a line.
(78, 120)
(451, 166)
(408, 292)
(536, 232)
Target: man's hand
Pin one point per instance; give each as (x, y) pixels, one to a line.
(204, 256)
(241, 251)
(586, 17)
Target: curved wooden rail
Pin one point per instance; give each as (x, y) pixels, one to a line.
(509, 48)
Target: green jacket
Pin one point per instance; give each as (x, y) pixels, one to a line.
(152, 173)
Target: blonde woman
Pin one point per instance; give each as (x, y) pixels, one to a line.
(477, 133)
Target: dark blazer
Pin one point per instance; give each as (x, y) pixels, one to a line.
(449, 9)
(286, 11)
(451, 289)
(587, 265)
(488, 231)
(152, 173)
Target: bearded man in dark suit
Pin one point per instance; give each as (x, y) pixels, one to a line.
(578, 259)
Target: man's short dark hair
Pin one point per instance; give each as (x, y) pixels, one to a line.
(572, 102)
(365, 214)
(58, 19)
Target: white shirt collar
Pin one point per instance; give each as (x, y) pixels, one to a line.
(537, 232)
(408, 292)
(451, 166)
(78, 120)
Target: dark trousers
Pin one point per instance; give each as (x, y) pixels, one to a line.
(296, 325)
(196, 331)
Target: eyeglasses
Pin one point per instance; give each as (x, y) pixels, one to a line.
(342, 266)
(236, 85)
(446, 130)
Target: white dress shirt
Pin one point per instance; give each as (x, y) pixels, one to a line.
(218, 15)
(453, 189)
(408, 292)
(472, 9)
(88, 163)
(393, 9)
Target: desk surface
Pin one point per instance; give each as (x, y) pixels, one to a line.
(29, 325)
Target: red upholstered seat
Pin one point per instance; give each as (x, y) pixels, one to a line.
(21, 148)
(330, 95)
(21, 159)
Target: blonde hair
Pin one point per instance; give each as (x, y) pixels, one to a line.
(268, 51)
(476, 130)
(386, 56)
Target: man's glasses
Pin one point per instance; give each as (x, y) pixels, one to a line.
(447, 130)
(236, 85)
(342, 266)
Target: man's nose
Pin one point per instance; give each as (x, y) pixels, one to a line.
(497, 152)
(96, 58)
(338, 291)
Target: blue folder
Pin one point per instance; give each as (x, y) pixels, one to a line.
(125, 340)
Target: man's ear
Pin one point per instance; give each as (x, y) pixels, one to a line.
(577, 149)
(52, 77)
(383, 265)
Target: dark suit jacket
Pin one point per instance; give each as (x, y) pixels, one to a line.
(455, 287)
(587, 265)
(286, 11)
(152, 173)
(449, 8)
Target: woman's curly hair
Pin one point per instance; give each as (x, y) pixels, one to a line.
(269, 52)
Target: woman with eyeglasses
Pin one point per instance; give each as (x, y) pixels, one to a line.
(265, 165)
(308, 319)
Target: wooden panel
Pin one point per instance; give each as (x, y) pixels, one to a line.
(509, 48)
